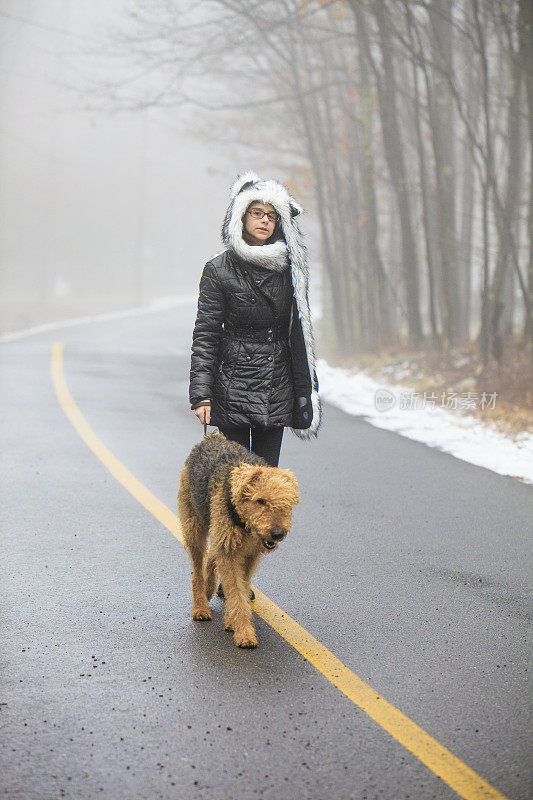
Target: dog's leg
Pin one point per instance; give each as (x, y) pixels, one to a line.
(210, 575)
(250, 566)
(200, 607)
(238, 616)
(195, 541)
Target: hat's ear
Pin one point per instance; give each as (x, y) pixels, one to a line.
(295, 209)
(244, 181)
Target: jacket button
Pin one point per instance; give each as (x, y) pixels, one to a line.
(253, 299)
(270, 338)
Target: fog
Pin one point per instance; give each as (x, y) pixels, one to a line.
(404, 128)
(99, 210)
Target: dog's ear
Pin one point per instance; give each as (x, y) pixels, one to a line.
(243, 480)
(291, 485)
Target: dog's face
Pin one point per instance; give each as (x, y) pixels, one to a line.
(264, 497)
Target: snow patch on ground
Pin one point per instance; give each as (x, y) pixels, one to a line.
(460, 435)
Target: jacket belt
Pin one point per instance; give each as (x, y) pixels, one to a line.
(271, 334)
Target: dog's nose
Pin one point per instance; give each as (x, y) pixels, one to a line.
(277, 535)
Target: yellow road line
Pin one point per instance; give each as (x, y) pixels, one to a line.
(438, 759)
(129, 481)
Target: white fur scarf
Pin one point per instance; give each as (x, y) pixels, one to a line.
(247, 189)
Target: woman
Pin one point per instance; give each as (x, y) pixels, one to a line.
(253, 363)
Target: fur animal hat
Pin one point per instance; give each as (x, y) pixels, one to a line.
(288, 249)
(247, 189)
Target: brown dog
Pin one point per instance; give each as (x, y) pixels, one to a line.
(244, 506)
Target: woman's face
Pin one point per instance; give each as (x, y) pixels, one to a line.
(259, 228)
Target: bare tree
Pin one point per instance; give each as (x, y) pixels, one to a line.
(403, 122)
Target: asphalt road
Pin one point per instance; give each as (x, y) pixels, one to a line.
(411, 566)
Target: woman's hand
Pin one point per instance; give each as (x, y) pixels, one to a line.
(204, 414)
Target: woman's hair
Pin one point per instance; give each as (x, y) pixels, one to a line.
(277, 233)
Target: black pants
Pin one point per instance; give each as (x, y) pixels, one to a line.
(266, 442)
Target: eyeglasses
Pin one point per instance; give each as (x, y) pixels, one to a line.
(256, 213)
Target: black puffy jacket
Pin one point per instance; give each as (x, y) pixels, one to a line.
(248, 354)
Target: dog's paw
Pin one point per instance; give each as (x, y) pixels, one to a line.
(201, 614)
(245, 639)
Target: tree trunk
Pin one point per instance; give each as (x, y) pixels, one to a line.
(442, 122)
(525, 37)
(394, 152)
